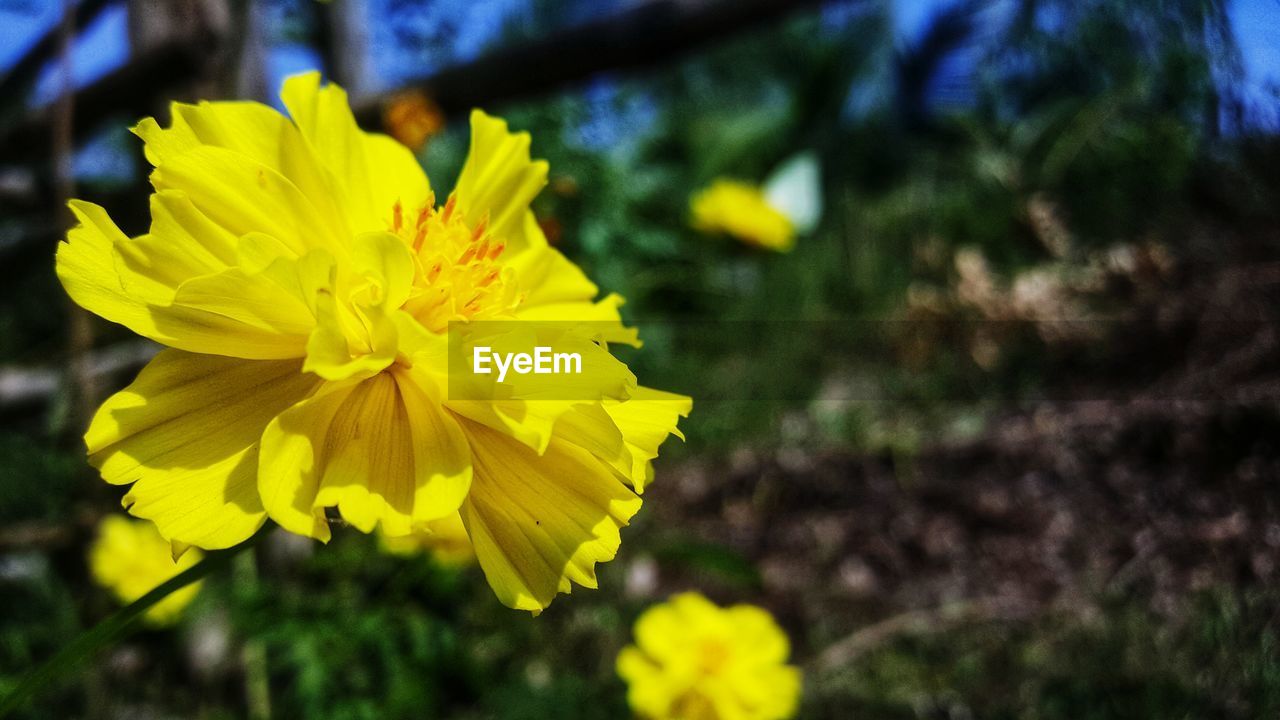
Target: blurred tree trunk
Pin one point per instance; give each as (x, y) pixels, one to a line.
(157, 23)
(246, 72)
(342, 39)
(83, 387)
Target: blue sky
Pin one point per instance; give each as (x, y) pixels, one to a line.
(104, 45)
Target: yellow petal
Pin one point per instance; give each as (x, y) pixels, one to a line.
(547, 277)
(648, 691)
(445, 540)
(381, 452)
(243, 195)
(182, 244)
(369, 466)
(131, 559)
(373, 171)
(394, 458)
(358, 323)
(386, 262)
(86, 265)
(666, 632)
(602, 316)
(253, 130)
(272, 301)
(539, 522)
(186, 431)
(350, 343)
(557, 290)
(269, 324)
(180, 224)
(499, 180)
(159, 142)
(645, 420)
(442, 454)
(757, 636)
(741, 210)
(292, 461)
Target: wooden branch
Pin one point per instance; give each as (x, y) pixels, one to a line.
(655, 33)
(33, 386)
(914, 622)
(131, 91)
(23, 74)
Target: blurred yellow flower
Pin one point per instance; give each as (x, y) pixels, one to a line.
(129, 558)
(741, 210)
(413, 118)
(447, 543)
(304, 278)
(770, 216)
(693, 660)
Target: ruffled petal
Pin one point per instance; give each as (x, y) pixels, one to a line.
(645, 421)
(256, 316)
(626, 435)
(291, 461)
(351, 343)
(182, 244)
(86, 266)
(186, 434)
(499, 180)
(548, 277)
(253, 130)
(278, 298)
(357, 331)
(243, 195)
(558, 290)
(381, 451)
(539, 522)
(374, 172)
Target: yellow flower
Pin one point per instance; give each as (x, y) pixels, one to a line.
(741, 210)
(304, 277)
(413, 119)
(695, 661)
(447, 543)
(788, 204)
(130, 559)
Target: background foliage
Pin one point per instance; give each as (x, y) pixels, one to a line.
(1031, 209)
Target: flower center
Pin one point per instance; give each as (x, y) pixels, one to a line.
(712, 656)
(460, 274)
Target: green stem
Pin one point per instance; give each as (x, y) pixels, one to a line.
(113, 628)
(256, 678)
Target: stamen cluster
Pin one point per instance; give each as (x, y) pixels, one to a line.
(459, 274)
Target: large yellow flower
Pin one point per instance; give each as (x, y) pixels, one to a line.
(304, 278)
(695, 661)
(129, 558)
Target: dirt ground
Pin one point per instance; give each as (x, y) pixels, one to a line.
(1163, 481)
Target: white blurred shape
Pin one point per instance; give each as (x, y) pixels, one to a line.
(795, 190)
